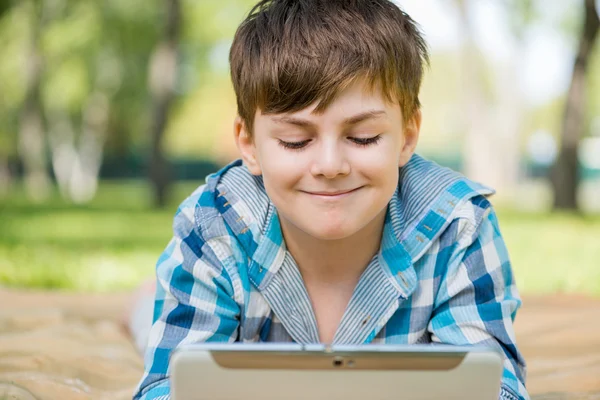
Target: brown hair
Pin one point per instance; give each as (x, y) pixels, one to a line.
(287, 54)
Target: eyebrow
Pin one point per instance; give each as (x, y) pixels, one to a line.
(348, 121)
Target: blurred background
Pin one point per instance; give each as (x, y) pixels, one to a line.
(111, 112)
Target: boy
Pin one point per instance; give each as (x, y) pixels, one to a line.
(331, 229)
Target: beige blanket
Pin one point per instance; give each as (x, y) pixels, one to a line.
(58, 346)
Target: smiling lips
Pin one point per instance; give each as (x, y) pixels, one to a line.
(333, 194)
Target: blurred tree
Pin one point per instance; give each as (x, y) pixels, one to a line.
(131, 34)
(94, 92)
(491, 150)
(32, 146)
(5, 174)
(5, 5)
(565, 173)
(201, 119)
(162, 80)
(77, 152)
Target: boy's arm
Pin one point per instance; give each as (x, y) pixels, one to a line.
(194, 302)
(478, 300)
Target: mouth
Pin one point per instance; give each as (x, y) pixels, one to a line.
(334, 194)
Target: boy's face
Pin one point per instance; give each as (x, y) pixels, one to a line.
(332, 174)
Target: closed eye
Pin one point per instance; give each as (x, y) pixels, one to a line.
(300, 145)
(293, 145)
(366, 141)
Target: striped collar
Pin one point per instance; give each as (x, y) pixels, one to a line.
(424, 204)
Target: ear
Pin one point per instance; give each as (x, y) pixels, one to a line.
(245, 143)
(412, 128)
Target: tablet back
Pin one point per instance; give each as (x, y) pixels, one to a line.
(267, 372)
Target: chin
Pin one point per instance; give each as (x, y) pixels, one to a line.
(329, 233)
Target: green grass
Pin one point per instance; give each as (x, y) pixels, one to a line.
(113, 243)
(110, 244)
(553, 253)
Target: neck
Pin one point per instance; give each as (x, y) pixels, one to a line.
(334, 261)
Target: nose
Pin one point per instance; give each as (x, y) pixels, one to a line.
(330, 160)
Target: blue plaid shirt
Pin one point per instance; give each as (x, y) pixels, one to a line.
(442, 275)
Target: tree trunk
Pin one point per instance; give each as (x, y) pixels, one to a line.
(565, 174)
(162, 80)
(32, 144)
(477, 149)
(76, 164)
(5, 177)
(84, 178)
(490, 150)
(77, 158)
(61, 135)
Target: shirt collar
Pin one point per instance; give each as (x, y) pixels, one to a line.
(423, 205)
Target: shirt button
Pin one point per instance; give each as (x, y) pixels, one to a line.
(402, 278)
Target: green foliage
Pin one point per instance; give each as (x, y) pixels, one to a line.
(197, 124)
(442, 128)
(220, 19)
(77, 29)
(67, 87)
(5, 5)
(204, 113)
(13, 41)
(114, 242)
(527, 14)
(86, 43)
(522, 14)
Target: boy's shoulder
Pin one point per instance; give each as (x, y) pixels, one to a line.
(230, 202)
(431, 198)
(427, 191)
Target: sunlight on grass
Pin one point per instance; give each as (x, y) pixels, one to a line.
(553, 253)
(111, 244)
(114, 242)
(87, 270)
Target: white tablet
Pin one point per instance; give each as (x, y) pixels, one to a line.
(268, 371)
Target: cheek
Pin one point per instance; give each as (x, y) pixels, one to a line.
(279, 170)
(274, 156)
(379, 162)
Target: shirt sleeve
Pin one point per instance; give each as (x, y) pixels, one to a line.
(194, 301)
(478, 300)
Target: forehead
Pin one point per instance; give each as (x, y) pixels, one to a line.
(357, 97)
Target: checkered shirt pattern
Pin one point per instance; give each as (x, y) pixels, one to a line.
(442, 275)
